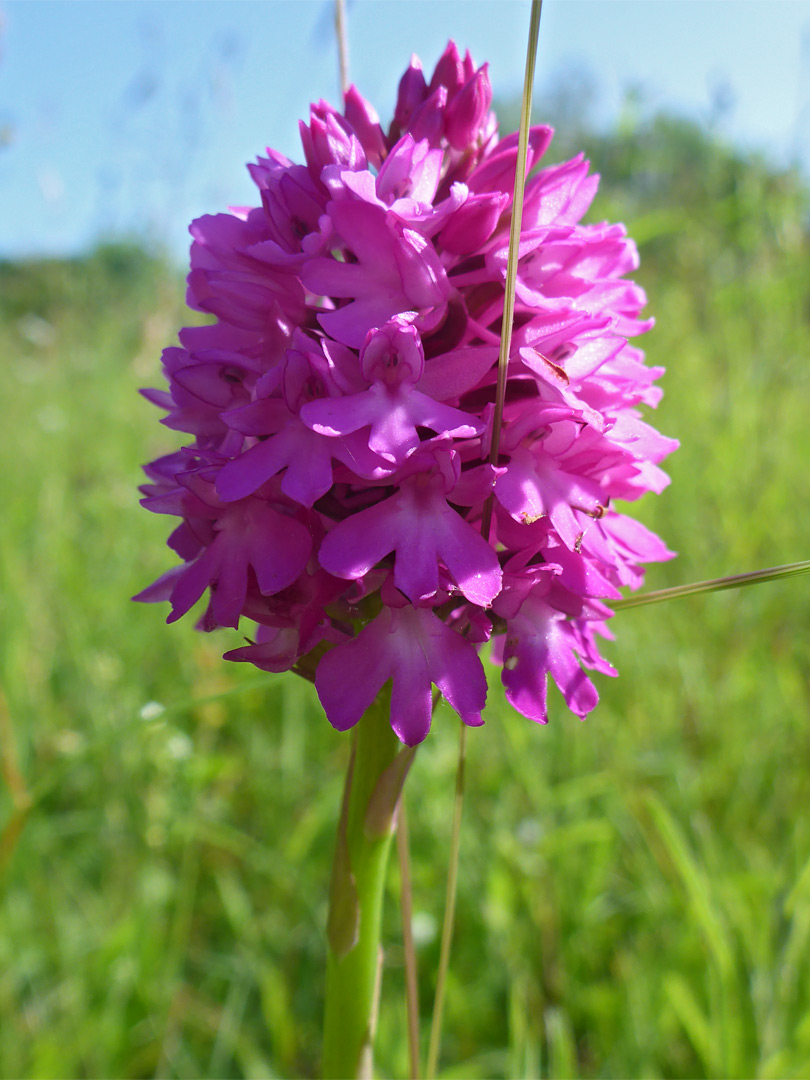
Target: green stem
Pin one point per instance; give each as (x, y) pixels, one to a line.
(449, 911)
(374, 780)
(735, 581)
(411, 977)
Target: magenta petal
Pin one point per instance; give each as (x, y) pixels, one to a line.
(230, 588)
(411, 170)
(193, 582)
(454, 373)
(309, 471)
(525, 684)
(470, 560)
(279, 547)
(369, 232)
(350, 676)
(575, 686)
(411, 705)
(161, 589)
(358, 543)
(428, 652)
(416, 570)
(469, 227)
(349, 325)
(353, 451)
(394, 413)
(455, 667)
(397, 270)
(637, 539)
(449, 70)
(246, 473)
(414, 648)
(263, 417)
(249, 534)
(341, 415)
(412, 92)
(279, 653)
(539, 640)
(441, 418)
(393, 434)
(363, 118)
(497, 171)
(306, 456)
(533, 486)
(330, 277)
(394, 353)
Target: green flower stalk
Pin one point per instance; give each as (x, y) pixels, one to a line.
(377, 770)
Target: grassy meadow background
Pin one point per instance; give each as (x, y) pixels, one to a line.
(635, 890)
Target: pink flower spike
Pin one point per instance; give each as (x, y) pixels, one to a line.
(338, 414)
(413, 648)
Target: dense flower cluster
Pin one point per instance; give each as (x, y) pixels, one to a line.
(341, 411)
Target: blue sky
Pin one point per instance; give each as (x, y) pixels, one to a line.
(117, 115)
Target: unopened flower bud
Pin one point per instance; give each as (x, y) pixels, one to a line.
(467, 110)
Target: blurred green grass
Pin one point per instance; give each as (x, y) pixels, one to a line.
(634, 891)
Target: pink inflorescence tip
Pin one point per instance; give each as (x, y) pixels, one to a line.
(341, 405)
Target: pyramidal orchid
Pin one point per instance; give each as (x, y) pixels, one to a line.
(387, 467)
(339, 414)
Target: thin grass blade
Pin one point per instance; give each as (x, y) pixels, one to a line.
(512, 258)
(735, 581)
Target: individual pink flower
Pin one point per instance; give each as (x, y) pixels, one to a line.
(413, 648)
(338, 414)
(423, 532)
(392, 407)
